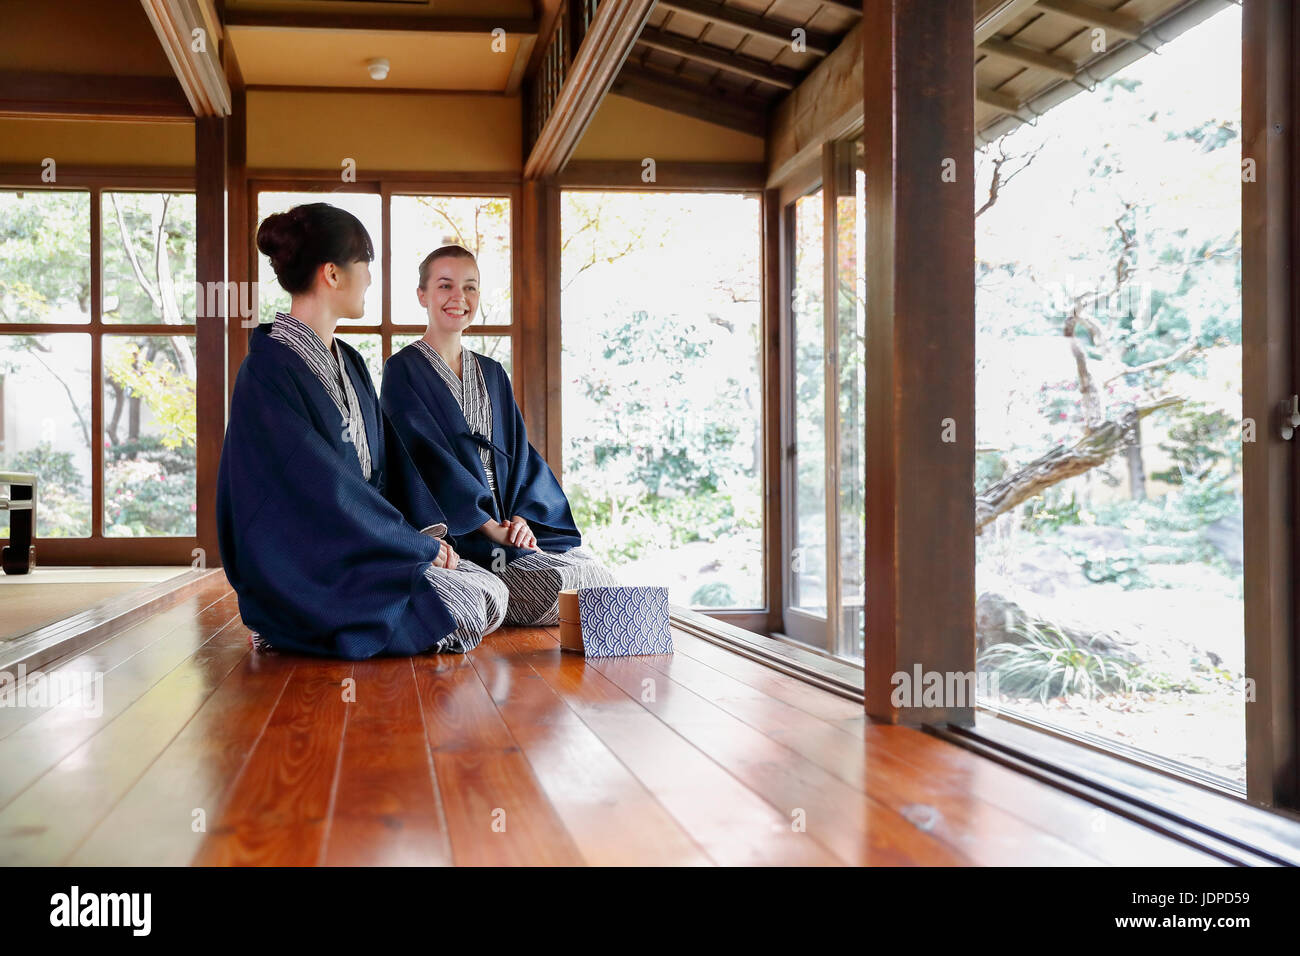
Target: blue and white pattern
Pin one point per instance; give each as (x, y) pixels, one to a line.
(327, 364)
(624, 621)
(536, 580)
(471, 394)
(477, 601)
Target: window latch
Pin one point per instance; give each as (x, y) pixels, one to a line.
(1290, 419)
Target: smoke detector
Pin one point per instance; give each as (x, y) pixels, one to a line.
(378, 68)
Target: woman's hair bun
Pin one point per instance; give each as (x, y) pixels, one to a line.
(298, 241)
(280, 234)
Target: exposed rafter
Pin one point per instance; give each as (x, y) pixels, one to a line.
(721, 59)
(1023, 55)
(999, 16)
(999, 101)
(1130, 28)
(815, 42)
(734, 111)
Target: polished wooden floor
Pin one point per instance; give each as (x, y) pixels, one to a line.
(207, 753)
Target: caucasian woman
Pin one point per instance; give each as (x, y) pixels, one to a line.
(455, 413)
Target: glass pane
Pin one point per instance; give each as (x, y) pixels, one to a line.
(1109, 320)
(852, 478)
(44, 256)
(662, 389)
(45, 427)
(479, 223)
(149, 432)
(148, 253)
(493, 346)
(370, 348)
(366, 207)
(808, 549)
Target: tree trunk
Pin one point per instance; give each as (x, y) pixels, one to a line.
(111, 428)
(1137, 475)
(1095, 448)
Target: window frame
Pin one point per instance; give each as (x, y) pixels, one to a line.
(386, 187)
(96, 548)
(757, 619)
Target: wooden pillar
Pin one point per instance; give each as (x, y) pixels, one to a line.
(210, 243)
(1269, 211)
(537, 349)
(918, 84)
(242, 264)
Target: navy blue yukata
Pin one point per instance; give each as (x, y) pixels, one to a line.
(464, 437)
(320, 540)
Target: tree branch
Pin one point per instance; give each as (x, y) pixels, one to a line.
(1094, 448)
(129, 247)
(1186, 351)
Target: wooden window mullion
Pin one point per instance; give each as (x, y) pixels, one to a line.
(386, 259)
(96, 366)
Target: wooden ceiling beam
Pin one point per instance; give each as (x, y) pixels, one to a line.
(826, 106)
(523, 56)
(1023, 55)
(199, 72)
(67, 96)
(1000, 101)
(710, 104)
(998, 16)
(288, 19)
(815, 42)
(721, 59)
(1130, 28)
(592, 70)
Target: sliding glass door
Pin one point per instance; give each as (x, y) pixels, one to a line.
(824, 408)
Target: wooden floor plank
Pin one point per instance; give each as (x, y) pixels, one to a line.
(163, 820)
(1107, 835)
(595, 795)
(282, 797)
(515, 754)
(386, 809)
(995, 816)
(111, 652)
(1113, 838)
(731, 823)
(38, 745)
(45, 823)
(497, 812)
(811, 700)
(861, 829)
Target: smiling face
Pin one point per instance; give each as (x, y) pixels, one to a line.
(450, 294)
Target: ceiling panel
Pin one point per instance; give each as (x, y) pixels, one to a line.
(337, 58)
